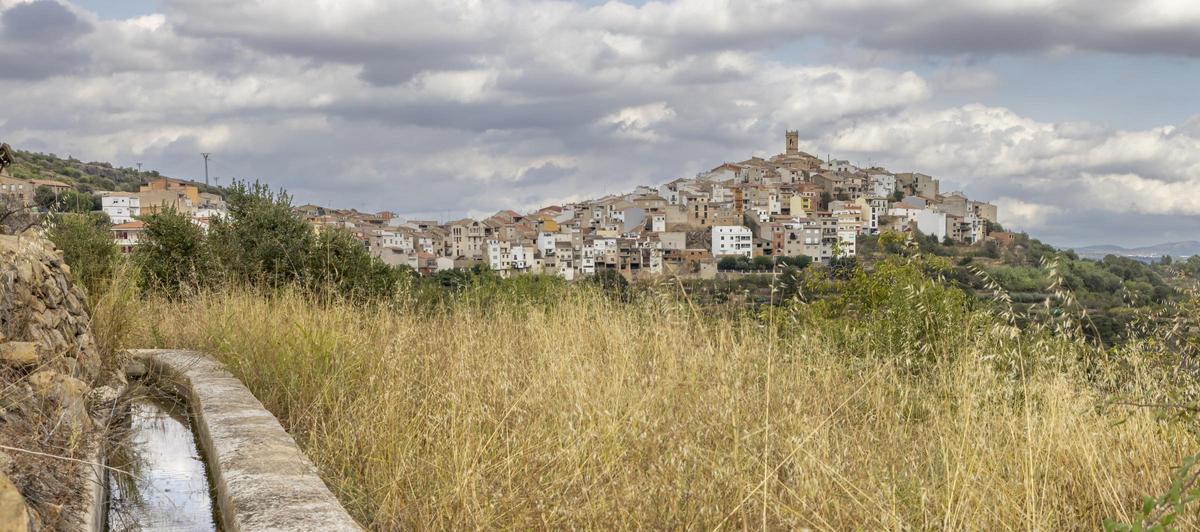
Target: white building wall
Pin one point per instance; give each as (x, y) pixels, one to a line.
(883, 185)
(848, 243)
(931, 223)
(732, 240)
(121, 208)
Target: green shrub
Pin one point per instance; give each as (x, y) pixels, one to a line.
(262, 240)
(341, 263)
(87, 247)
(173, 254)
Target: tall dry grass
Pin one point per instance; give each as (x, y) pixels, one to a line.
(586, 413)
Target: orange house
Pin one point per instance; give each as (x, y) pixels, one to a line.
(164, 184)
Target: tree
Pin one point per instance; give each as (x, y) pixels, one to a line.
(727, 264)
(763, 262)
(173, 254)
(898, 195)
(893, 242)
(611, 282)
(66, 201)
(262, 239)
(44, 197)
(1192, 265)
(991, 249)
(842, 267)
(340, 263)
(87, 247)
(799, 261)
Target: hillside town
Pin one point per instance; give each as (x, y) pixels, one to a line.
(792, 204)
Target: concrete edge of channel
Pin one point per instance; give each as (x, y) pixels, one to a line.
(263, 481)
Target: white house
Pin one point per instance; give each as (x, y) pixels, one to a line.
(121, 207)
(883, 185)
(931, 223)
(505, 257)
(658, 223)
(839, 165)
(732, 240)
(847, 243)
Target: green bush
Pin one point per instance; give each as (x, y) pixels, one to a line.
(173, 254)
(87, 247)
(341, 263)
(262, 240)
(66, 201)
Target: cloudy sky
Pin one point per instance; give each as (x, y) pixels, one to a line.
(1079, 118)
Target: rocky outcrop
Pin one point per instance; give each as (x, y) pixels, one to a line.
(49, 363)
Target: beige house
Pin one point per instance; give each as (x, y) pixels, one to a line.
(162, 185)
(468, 238)
(155, 201)
(16, 191)
(57, 186)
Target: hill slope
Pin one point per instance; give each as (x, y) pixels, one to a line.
(1184, 248)
(85, 176)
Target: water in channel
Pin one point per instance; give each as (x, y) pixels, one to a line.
(168, 488)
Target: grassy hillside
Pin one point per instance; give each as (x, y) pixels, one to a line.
(84, 176)
(901, 403)
(1109, 294)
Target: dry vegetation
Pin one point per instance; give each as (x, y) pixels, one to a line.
(574, 410)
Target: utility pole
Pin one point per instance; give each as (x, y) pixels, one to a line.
(139, 167)
(206, 167)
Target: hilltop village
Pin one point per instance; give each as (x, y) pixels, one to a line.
(792, 204)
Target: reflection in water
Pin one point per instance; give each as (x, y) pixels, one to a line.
(169, 489)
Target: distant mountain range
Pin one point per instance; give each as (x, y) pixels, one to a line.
(1186, 248)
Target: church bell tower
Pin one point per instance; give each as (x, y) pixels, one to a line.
(793, 142)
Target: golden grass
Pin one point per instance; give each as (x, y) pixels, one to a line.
(592, 414)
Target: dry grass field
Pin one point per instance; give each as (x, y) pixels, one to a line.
(580, 411)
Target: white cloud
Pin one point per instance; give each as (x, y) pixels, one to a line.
(1075, 179)
(1132, 193)
(459, 86)
(639, 122)
(468, 105)
(1018, 214)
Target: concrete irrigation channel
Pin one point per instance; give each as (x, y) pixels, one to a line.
(204, 454)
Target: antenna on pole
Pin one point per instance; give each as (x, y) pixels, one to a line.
(139, 165)
(205, 167)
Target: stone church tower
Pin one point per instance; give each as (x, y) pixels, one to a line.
(793, 142)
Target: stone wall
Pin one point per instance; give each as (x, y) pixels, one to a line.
(40, 305)
(49, 364)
